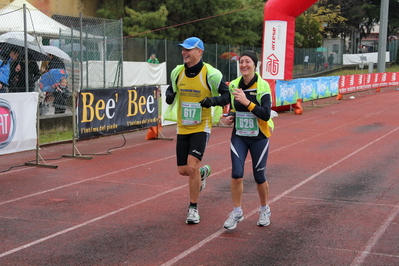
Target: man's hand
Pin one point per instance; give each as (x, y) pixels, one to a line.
(170, 97)
(207, 102)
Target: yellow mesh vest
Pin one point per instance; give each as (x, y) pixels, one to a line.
(193, 90)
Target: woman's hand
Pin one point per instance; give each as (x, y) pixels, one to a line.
(239, 95)
(229, 120)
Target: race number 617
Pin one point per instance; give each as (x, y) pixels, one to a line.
(189, 112)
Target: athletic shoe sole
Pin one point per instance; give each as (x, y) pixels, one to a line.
(235, 224)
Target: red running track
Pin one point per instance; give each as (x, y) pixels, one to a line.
(334, 197)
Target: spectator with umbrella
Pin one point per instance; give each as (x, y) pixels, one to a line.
(56, 56)
(54, 79)
(4, 75)
(55, 82)
(61, 95)
(16, 81)
(54, 63)
(15, 45)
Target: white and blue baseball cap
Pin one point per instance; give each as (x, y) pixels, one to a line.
(193, 42)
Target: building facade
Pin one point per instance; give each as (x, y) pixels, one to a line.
(67, 7)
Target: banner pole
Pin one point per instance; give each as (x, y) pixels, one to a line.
(74, 97)
(36, 163)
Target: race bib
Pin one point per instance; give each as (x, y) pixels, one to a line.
(191, 113)
(246, 124)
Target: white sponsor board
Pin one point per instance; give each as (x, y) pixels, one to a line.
(274, 49)
(18, 121)
(351, 59)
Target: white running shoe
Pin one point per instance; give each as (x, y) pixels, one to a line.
(233, 220)
(264, 217)
(205, 171)
(192, 216)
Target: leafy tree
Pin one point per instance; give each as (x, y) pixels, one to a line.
(112, 9)
(308, 31)
(138, 22)
(393, 18)
(314, 23)
(212, 20)
(360, 15)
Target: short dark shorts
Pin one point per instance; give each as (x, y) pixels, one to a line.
(259, 150)
(191, 144)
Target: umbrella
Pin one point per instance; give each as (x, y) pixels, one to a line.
(75, 47)
(34, 51)
(227, 55)
(17, 35)
(50, 79)
(321, 49)
(56, 52)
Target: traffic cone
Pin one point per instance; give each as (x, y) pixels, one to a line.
(339, 97)
(152, 133)
(298, 110)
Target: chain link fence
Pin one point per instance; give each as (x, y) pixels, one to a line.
(327, 57)
(223, 57)
(38, 49)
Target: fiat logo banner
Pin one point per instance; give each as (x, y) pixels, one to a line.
(7, 123)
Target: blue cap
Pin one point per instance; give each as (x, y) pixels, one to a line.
(193, 42)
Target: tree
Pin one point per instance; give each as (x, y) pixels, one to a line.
(393, 25)
(112, 9)
(361, 16)
(315, 23)
(308, 31)
(139, 22)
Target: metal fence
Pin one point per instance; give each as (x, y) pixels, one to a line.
(140, 49)
(224, 57)
(220, 56)
(34, 42)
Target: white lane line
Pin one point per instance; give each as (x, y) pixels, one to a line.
(376, 236)
(200, 244)
(61, 160)
(85, 180)
(86, 223)
(216, 144)
(219, 232)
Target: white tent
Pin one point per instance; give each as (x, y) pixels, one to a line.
(38, 23)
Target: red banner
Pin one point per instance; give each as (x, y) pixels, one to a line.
(358, 82)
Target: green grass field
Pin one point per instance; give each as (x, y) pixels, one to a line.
(55, 137)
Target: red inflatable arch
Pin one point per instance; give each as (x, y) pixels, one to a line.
(278, 37)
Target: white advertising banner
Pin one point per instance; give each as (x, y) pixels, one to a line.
(135, 74)
(274, 49)
(18, 121)
(354, 59)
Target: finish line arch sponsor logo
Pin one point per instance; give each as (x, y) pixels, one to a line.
(7, 123)
(274, 49)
